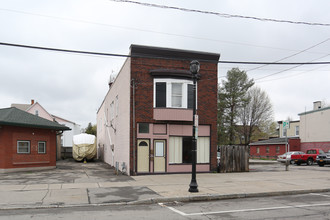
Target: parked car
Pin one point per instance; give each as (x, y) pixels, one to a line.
(287, 156)
(309, 158)
(323, 158)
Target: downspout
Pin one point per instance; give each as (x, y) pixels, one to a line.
(57, 133)
(134, 146)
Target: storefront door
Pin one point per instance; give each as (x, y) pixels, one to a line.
(159, 156)
(143, 156)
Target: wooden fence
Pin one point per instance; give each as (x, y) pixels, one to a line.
(234, 159)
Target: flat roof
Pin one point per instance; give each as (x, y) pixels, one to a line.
(169, 53)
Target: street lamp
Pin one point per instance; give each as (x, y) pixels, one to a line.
(194, 69)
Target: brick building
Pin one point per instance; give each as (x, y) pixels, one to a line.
(27, 142)
(274, 147)
(144, 124)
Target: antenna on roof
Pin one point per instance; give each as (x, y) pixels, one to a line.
(112, 78)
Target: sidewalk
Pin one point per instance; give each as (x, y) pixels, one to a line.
(165, 188)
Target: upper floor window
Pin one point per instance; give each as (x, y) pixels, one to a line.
(36, 112)
(285, 133)
(173, 93)
(297, 130)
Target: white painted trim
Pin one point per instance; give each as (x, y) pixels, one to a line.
(169, 82)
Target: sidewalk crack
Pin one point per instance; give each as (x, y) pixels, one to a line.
(42, 200)
(89, 199)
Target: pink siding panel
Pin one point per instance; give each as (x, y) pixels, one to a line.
(180, 130)
(159, 129)
(187, 168)
(168, 114)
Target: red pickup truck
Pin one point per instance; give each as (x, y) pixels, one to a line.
(309, 158)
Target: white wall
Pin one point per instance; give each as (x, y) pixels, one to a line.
(67, 136)
(113, 123)
(315, 126)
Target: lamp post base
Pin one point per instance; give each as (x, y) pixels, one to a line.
(193, 187)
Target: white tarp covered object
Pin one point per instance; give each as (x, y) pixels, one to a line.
(84, 147)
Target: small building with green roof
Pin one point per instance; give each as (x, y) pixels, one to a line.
(27, 141)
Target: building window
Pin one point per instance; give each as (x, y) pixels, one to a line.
(176, 95)
(285, 132)
(180, 150)
(41, 147)
(159, 148)
(203, 150)
(160, 94)
(190, 96)
(297, 130)
(258, 150)
(277, 149)
(173, 93)
(186, 149)
(267, 150)
(144, 128)
(23, 147)
(117, 106)
(36, 112)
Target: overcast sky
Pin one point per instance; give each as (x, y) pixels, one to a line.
(73, 86)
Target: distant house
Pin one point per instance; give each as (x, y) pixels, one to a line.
(288, 141)
(144, 124)
(292, 131)
(65, 141)
(315, 128)
(273, 147)
(27, 142)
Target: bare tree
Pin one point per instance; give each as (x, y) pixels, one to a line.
(257, 113)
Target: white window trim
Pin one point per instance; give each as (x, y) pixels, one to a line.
(28, 148)
(169, 91)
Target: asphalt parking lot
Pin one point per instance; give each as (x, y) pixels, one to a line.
(278, 167)
(70, 171)
(96, 183)
(67, 171)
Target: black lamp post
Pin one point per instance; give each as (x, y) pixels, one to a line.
(193, 186)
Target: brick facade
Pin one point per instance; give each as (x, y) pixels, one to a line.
(206, 100)
(272, 153)
(325, 146)
(9, 158)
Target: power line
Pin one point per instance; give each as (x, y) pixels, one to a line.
(292, 55)
(155, 57)
(288, 69)
(143, 30)
(224, 15)
(285, 77)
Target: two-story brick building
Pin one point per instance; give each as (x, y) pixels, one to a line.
(144, 124)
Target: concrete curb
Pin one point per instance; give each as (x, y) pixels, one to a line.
(198, 198)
